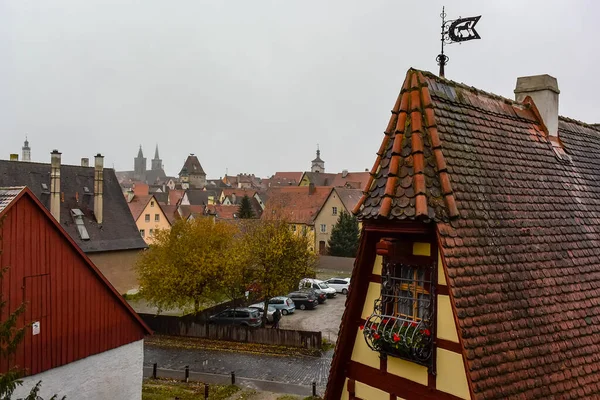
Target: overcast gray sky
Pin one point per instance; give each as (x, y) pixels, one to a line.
(253, 86)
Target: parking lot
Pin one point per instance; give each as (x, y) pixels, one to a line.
(325, 318)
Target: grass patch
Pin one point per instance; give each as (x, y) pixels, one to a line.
(168, 389)
(288, 397)
(192, 343)
(324, 274)
(326, 345)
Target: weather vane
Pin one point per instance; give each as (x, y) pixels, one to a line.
(456, 31)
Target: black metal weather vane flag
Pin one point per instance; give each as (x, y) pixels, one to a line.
(456, 31)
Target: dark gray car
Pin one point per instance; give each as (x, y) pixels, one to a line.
(238, 316)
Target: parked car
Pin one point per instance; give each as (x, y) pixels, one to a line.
(317, 285)
(318, 293)
(339, 284)
(237, 316)
(260, 307)
(283, 303)
(304, 300)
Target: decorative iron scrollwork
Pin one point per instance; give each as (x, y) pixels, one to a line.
(401, 324)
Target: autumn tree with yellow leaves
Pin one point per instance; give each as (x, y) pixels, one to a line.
(206, 258)
(278, 257)
(185, 264)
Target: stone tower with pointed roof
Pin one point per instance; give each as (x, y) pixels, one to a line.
(318, 165)
(156, 161)
(26, 156)
(139, 166)
(194, 171)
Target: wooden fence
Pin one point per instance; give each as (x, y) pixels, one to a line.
(186, 326)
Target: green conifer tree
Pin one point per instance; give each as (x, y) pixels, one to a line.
(344, 236)
(245, 209)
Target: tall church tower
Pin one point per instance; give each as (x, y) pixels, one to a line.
(139, 166)
(26, 156)
(156, 161)
(318, 165)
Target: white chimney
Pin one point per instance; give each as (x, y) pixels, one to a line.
(55, 184)
(543, 90)
(344, 173)
(98, 186)
(85, 162)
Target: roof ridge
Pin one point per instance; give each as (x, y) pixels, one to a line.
(579, 122)
(469, 88)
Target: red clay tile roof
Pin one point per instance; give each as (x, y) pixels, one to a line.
(351, 180)
(319, 178)
(222, 211)
(239, 193)
(175, 195)
(170, 212)
(137, 205)
(349, 197)
(519, 231)
(185, 211)
(295, 204)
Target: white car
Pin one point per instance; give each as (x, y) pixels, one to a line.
(339, 284)
(308, 283)
(261, 308)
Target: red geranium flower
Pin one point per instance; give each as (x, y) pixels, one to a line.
(385, 321)
(413, 324)
(405, 323)
(376, 336)
(427, 333)
(362, 327)
(396, 337)
(374, 326)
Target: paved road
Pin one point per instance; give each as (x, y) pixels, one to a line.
(325, 318)
(297, 370)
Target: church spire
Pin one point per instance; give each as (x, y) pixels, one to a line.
(140, 152)
(26, 156)
(318, 165)
(156, 162)
(156, 152)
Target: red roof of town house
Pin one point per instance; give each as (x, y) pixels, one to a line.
(296, 204)
(175, 195)
(239, 193)
(351, 180)
(518, 225)
(79, 311)
(138, 204)
(222, 211)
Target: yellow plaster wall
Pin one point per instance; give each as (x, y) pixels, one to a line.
(345, 395)
(378, 265)
(362, 353)
(440, 267)
(373, 294)
(366, 392)
(326, 217)
(305, 181)
(407, 369)
(141, 223)
(451, 376)
(421, 249)
(446, 328)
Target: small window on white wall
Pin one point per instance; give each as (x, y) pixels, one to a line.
(334, 210)
(323, 228)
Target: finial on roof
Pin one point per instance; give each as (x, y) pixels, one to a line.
(140, 152)
(455, 31)
(156, 152)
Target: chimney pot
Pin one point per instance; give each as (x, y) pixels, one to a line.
(55, 194)
(344, 173)
(543, 90)
(98, 187)
(85, 162)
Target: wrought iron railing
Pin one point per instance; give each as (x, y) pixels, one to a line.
(401, 324)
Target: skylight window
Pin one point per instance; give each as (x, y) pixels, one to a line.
(45, 188)
(86, 190)
(78, 218)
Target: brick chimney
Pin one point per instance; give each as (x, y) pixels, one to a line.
(98, 186)
(55, 184)
(311, 188)
(85, 162)
(543, 90)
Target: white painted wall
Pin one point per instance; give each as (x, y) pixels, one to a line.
(114, 374)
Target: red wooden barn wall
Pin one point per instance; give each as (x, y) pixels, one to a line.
(79, 315)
